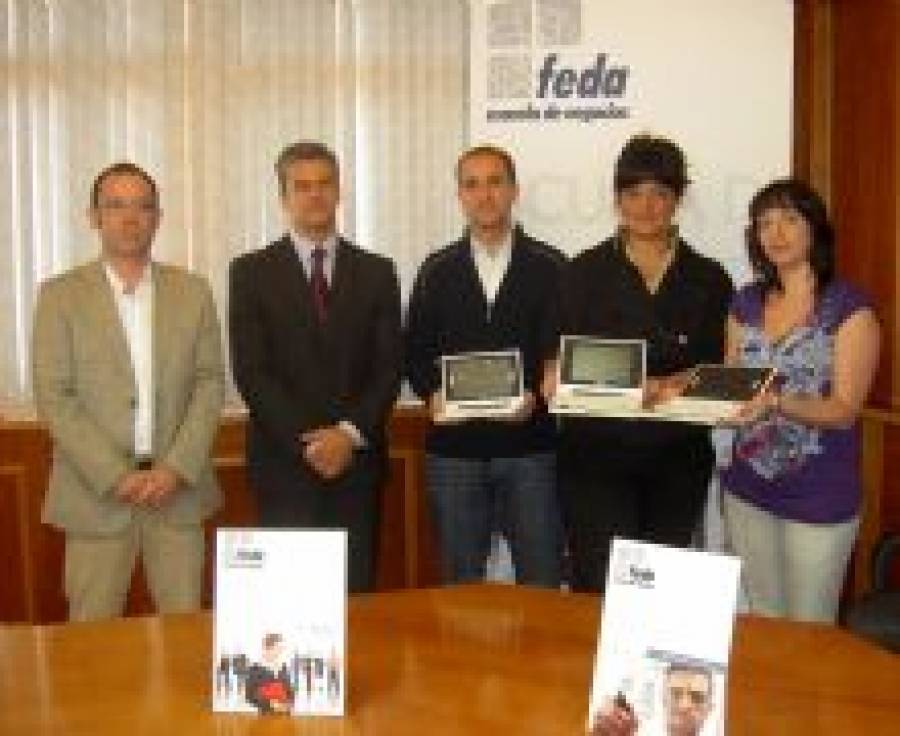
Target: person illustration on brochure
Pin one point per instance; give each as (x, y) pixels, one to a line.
(333, 668)
(268, 684)
(687, 701)
(223, 677)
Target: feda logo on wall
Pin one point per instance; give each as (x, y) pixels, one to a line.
(586, 92)
(603, 79)
(585, 87)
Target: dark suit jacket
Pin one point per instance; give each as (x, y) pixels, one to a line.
(295, 374)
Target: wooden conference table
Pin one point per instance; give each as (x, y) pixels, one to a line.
(469, 660)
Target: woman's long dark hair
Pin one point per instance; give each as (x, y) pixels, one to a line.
(793, 194)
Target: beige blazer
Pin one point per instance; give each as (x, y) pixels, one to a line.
(85, 391)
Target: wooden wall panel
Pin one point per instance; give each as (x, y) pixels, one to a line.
(890, 505)
(891, 494)
(31, 554)
(847, 143)
(25, 458)
(406, 437)
(391, 541)
(865, 165)
(14, 557)
(813, 93)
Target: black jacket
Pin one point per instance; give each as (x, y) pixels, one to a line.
(295, 374)
(449, 314)
(683, 323)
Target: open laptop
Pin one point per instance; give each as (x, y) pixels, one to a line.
(600, 377)
(715, 392)
(481, 385)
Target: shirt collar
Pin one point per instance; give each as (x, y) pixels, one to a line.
(118, 285)
(499, 253)
(305, 246)
(674, 240)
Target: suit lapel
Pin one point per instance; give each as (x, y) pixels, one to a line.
(507, 287)
(474, 285)
(164, 314)
(164, 304)
(107, 321)
(342, 290)
(290, 278)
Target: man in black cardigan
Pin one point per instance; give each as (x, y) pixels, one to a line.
(494, 289)
(315, 348)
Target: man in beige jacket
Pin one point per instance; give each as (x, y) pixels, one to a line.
(128, 376)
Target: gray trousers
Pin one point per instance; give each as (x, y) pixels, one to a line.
(791, 569)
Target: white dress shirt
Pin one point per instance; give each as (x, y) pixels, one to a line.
(492, 264)
(305, 248)
(136, 315)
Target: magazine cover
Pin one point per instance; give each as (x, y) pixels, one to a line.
(665, 637)
(279, 628)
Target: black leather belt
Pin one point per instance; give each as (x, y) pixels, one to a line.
(143, 463)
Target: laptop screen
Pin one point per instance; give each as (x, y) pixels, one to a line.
(728, 383)
(482, 377)
(612, 364)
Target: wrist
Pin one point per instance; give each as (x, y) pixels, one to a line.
(776, 407)
(352, 433)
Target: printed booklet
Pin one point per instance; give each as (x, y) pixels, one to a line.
(665, 638)
(279, 631)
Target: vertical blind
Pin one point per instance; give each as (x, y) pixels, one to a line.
(204, 94)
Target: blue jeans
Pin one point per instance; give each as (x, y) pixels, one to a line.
(467, 495)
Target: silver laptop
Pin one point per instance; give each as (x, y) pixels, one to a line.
(481, 385)
(600, 377)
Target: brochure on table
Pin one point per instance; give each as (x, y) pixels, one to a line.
(279, 637)
(665, 636)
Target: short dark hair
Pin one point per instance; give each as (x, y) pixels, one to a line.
(304, 151)
(647, 157)
(793, 194)
(488, 150)
(121, 168)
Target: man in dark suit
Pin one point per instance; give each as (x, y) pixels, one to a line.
(315, 349)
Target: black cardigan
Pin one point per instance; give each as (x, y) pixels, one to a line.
(683, 323)
(448, 314)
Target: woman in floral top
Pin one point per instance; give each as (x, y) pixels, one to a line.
(792, 489)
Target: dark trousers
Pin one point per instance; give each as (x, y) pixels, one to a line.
(303, 500)
(468, 494)
(651, 494)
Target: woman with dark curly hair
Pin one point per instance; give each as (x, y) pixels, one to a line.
(792, 489)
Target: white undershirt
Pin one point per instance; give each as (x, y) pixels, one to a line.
(492, 264)
(136, 315)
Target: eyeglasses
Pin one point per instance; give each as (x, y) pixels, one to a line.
(143, 206)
